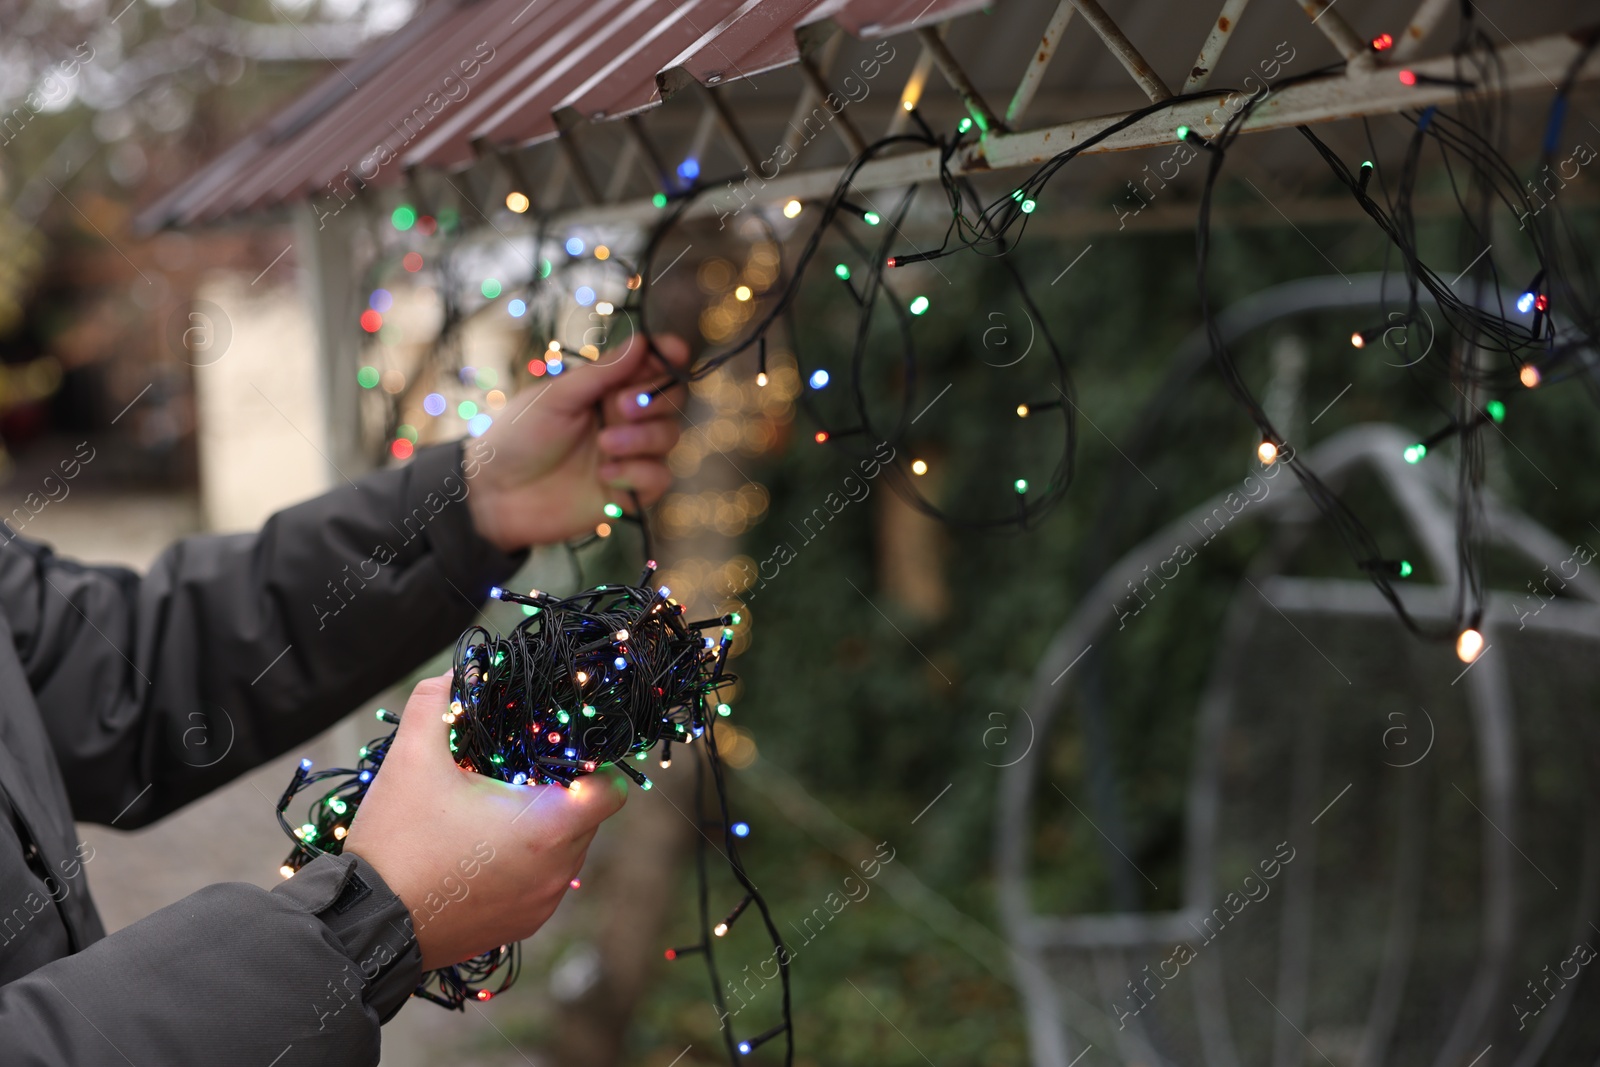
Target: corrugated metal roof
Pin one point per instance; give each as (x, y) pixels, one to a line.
(508, 73)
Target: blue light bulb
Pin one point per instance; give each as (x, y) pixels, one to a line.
(1525, 303)
(689, 169)
(574, 246)
(305, 765)
(365, 776)
(741, 829)
(819, 379)
(744, 1048)
(643, 400)
(619, 663)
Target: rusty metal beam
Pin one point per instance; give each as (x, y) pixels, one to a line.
(1340, 96)
(1428, 15)
(1117, 41)
(1337, 30)
(981, 112)
(853, 141)
(1038, 63)
(1217, 40)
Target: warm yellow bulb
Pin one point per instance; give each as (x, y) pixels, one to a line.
(339, 832)
(517, 202)
(1357, 341)
(603, 530)
(621, 635)
(1022, 411)
(792, 208)
(909, 105)
(762, 379)
(286, 870)
(918, 467)
(582, 677)
(1469, 645)
(721, 929)
(742, 293)
(602, 252)
(604, 307)
(1530, 375)
(1267, 453)
(554, 346)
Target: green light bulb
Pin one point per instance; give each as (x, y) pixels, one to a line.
(363, 753)
(659, 200)
(737, 618)
(367, 377)
(466, 409)
(871, 218)
(727, 634)
(1405, 568)
(562, 717)
(841, 272)
(490, 288)
(1020, 485)
(497, 758)
(641, 756)
(613, 511)
(964, 125)
(588, 711)
(545, 268)
(1182, 132)
(646, 784)
(1414, 453)
(1496, 410)
(403, 217)
(1028, 206)
(724, 710)
(919, 305)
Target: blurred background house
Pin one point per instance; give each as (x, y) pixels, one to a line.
(192, 285)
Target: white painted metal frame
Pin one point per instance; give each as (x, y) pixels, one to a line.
(1369, 85)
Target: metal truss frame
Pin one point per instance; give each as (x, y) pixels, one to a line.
(1367, 86)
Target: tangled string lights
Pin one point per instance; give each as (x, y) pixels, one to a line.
(582, 682)
(1496, 348)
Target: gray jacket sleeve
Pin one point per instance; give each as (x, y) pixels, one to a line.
(156, 690)
(298, 977)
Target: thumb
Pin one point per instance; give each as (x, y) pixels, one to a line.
(588, 383)
(424, 735)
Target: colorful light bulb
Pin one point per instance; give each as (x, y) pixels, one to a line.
(1469, 645)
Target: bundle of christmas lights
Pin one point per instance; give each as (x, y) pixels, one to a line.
(582, 682)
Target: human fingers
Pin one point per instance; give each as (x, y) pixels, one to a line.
(650, 478)
(654, 437)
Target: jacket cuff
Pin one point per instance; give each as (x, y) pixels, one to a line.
(368, 920)
(438, 486)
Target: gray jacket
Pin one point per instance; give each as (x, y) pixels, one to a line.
(124, 698)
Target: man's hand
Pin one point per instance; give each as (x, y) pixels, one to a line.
(557, 463)
(477, 862)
